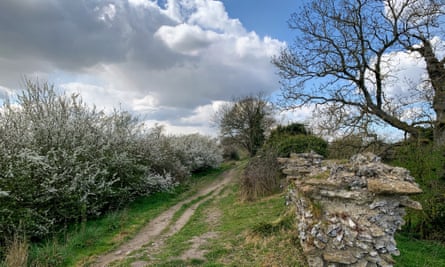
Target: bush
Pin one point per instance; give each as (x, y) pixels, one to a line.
(62, 161)
(197, 152)
(346, 147)
(295, 138)
(261, 176)
(291, 129)
(426, 164)
(286, 144)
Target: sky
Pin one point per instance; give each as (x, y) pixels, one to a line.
(171, 62)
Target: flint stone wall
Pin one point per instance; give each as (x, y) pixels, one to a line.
(348, 213)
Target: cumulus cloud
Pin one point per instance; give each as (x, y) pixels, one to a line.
(185, 38)
(167, 60)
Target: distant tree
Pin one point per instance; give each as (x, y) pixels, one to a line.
(343, 60)
(246, 121)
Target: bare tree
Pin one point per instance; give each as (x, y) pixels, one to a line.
(246, 121)
(344, 60)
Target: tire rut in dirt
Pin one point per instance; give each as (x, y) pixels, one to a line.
(155, 230)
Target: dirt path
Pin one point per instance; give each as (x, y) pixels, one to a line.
(157, 230)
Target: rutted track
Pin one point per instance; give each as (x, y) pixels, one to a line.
(162, 226)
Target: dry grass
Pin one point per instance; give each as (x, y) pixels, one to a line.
(17, 253)
(261, 177)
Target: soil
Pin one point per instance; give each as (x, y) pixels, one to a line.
(153, 235)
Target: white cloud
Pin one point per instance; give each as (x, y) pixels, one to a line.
(148, 103)
(203, 114)
(144, 3)
(5, 94)
(107, 13)
(104, 98)
(185, 38)
(172, 129)
(170, 62)
(212, 15)
(251, 45)
(416, 12)
(404, 71)
(298, 115)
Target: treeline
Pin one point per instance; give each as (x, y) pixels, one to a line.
(62, 161)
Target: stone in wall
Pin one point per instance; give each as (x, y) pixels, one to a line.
(348, 213)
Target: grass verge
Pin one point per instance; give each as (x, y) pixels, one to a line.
(260, 233)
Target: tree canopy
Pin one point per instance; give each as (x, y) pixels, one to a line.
(348, 55)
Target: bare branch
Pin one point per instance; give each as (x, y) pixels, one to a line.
(341, 58)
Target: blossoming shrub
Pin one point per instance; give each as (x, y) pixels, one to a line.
(197, 152)
(62, 161)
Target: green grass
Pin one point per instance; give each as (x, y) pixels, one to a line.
(179, 243)
(187, 205)
(102, 234)
(259, 233)
(419, 253)
(75, 246)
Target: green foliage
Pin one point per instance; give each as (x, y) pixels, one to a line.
(346, 147)
(230, 150)
(290, 129)
(286, 144)
(294, 138)
(426, 164)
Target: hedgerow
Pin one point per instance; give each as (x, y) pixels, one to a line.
(62, 161)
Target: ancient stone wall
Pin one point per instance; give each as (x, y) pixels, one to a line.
(348, 212)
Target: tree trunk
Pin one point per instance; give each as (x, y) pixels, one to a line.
(439, 125)
(436, 72)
